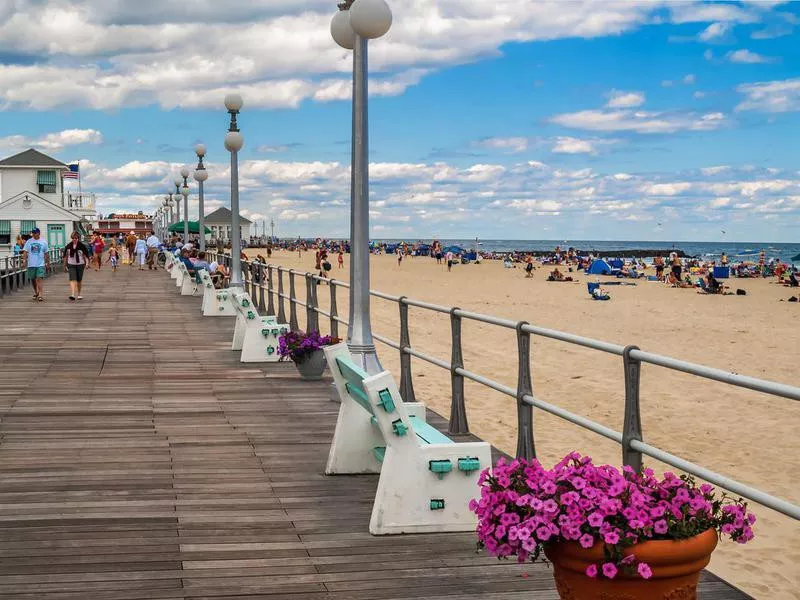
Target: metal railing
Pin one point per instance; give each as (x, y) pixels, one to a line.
(13, 274)
(259, 280)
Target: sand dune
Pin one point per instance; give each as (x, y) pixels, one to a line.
(745, 435)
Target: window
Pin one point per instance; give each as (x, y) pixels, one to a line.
(46, 180)
(5, 232)
(26, 227)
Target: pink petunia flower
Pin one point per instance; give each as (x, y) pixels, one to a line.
(587, 541)
(609, 570)
(644, 570)
(591, 571)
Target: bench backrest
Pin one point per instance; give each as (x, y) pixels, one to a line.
(379, 397)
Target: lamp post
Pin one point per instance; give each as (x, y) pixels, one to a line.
(178, 181)
(168, 204)
(185, 193)
(233, 143)
(357, 22)
(200, 175)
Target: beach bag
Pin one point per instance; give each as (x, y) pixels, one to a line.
(741, 292)
(326, 265)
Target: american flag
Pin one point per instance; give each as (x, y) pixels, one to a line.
(73, 173)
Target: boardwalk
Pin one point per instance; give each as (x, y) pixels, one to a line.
(140, 460)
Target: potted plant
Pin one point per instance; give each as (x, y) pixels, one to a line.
(608, 534)
(305, 350)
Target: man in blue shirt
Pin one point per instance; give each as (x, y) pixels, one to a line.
(35, 257)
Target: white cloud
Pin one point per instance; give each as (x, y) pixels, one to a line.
(667, 83)
(771, 96)
(714, 32)
(745, 56)
(719, 202)
(52, 142)
(689, 79)
(666, 189)
(645, 122)
(508, 144)
(714, 170)
(708, 55)
(618, 99)
(623, 176)
(571, 145)
(188, 53)
(699, 95)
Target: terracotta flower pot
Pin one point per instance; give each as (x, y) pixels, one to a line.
(676, 566)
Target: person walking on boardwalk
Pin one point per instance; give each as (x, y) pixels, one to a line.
(76, 257)
(130, 245)
(140, 249)
(113, 257)
(98, 245)
(35, 257)
(153, 244)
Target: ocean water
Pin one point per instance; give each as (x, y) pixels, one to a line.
(735, 250)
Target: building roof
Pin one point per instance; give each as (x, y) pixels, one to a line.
(222, 216)
(32, 158)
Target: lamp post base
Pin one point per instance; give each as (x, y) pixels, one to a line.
(366, 357)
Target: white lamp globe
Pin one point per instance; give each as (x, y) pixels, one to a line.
(200, 175)
(185, 191)
(370, 18)
(200, 150)
(233, 141)
(341, 31)
(177, 181)
(184, 171)
(233, 102)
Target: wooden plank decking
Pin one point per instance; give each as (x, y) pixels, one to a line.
(140, 460)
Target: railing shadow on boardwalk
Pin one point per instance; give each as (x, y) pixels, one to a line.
(139, 459)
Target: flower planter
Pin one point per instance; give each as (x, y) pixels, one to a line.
(312, 365)
(676, 566)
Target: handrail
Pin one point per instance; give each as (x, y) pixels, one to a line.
(13, 275)
(631, 438)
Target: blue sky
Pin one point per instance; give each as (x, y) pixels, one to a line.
(513, 119)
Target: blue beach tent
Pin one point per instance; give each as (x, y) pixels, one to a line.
(454, 250)
(599, 267)
(616, 263)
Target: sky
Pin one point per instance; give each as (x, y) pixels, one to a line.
(510, 119)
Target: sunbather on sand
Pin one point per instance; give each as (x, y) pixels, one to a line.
(676, 282)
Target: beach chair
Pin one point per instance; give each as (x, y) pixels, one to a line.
(254, 335)
(426, 479)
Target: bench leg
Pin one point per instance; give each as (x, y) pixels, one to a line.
(238, 333)
(353, 440)
(407, 488)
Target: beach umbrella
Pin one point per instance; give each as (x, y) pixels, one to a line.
(194, 227)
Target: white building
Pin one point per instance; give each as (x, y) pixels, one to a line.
(219, 222)
(32, 195)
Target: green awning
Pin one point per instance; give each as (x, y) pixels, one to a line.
(5, 227)
(46, 177)
(26, 227)
(194, 227)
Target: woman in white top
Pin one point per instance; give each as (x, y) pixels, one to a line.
(141, 252)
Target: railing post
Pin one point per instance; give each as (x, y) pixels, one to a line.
(334, 310)
(632, 427)
(406, 382)
(292, 303)
(312, 320)
(458, 411)
(525, 442)
(281, 310)
(261, 306)
(270, 303)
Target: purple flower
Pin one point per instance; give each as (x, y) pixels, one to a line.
(591, 571)
(595, 519)
(587, 541)
(612, 537)
(660, 527)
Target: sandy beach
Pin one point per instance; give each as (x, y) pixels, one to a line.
(742, 434)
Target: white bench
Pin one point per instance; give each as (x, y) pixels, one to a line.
(189, 283)
(216, 303)
(426, 479)
(254, 335)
